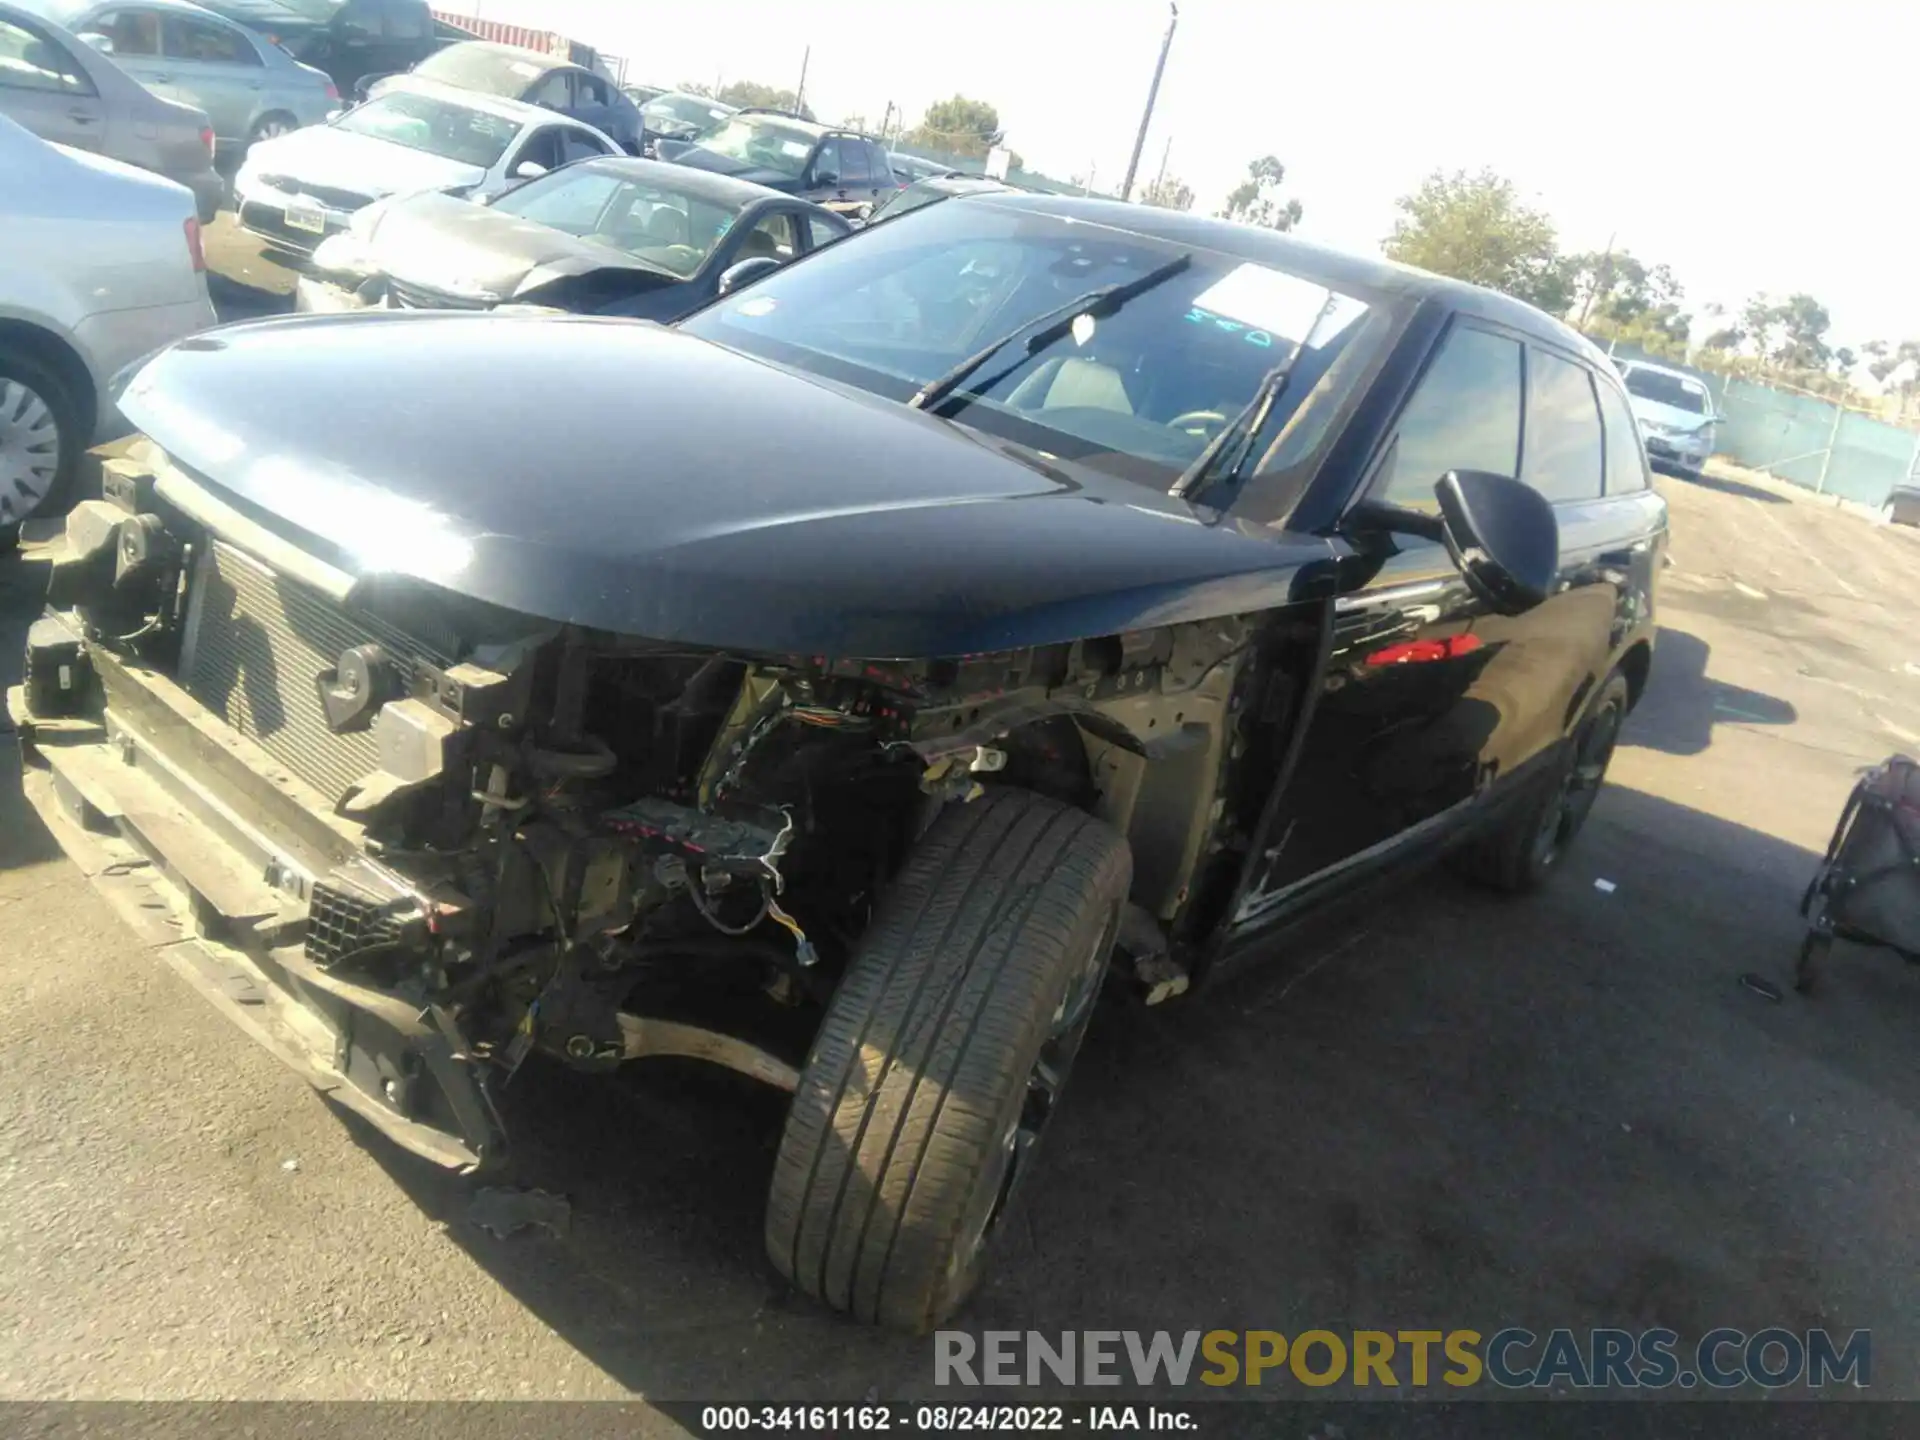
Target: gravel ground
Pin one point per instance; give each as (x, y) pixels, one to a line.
(1455, 1111)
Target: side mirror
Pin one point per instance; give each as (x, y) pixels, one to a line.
(1503, 535)
(529, 170)
(745, 272)
(826, 175)
(102, 43)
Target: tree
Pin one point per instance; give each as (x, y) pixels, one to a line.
(1474, 227)
(1169, 192)
(1843, 361)
(695, 87)
(752, 92)
(960, 126)
(1804, 322)
(1256, 200)
(1727, 338)
(1758, 320)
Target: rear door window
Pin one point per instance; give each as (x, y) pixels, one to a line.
(133, 32)
(879, 167)
(1564, 448)
(1626, 460)
(30, 61)
(183, 37)
(1465, 415)
(821, 233)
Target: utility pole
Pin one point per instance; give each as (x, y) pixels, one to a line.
(885, 121)
(800, 95)
(1153, 93)
(1086, 186)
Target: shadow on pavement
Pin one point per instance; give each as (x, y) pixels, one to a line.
(1682, 704)
(1726, 485)
(237, 300)
(1460, 1109)
(23, 839)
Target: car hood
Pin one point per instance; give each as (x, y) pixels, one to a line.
(1669, 417)
(456, 245)
(701, 158)
(627, 477)
(339, 159)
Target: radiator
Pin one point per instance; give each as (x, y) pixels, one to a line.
(256, 646)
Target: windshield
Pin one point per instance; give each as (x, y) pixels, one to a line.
(483, 68)
(439, 127)
(1664, 389)
(662, 226)
(691, 110)
(762, 143)
(1138, 393)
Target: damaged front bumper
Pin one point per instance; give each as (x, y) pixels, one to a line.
(210, 850)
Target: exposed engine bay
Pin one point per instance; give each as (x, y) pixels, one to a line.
(464, 836)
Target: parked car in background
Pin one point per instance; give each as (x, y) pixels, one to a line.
(300, 188)
(622, 236)
(544, 80)
(1903, 503)
(927, 192)
(679, 115)
(840, 169)
(845, 683)
(100, 264)
(641, 94)
(1676, 415)
(909, 168)
(66, 92)
(351, 40)
(249, 87)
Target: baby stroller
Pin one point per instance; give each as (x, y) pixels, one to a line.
(1867, 890)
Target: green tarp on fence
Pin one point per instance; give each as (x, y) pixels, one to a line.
(1796, 438)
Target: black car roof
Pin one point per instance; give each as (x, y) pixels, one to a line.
(725, 191)
(1284, 251)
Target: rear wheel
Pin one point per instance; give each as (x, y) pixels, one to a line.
(271, 127)
(40, 438)
(1526, 846)
(942, 1057)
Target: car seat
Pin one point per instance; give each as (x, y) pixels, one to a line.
(1072, 382)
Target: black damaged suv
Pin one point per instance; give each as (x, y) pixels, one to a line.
(1031, 594)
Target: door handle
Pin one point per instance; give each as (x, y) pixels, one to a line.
(159, 77)
(81, 117)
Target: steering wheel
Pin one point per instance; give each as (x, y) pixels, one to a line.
(1204, 423)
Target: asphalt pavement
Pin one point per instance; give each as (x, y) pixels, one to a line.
(1453, 1111)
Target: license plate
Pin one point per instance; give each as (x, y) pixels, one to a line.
(310, 218)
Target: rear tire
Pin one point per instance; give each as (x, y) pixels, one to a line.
(1525, 847)
(41, 437)
(272, 126)
(941, 1058)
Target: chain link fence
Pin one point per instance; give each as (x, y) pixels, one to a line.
(1803, 439)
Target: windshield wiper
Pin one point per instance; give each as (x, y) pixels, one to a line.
(1043, 330)
(1244, 428)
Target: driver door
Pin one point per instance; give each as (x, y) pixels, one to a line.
(1394, 754)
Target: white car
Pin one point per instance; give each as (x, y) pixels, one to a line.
(100, 265)
(1676, 415)
(414, 136)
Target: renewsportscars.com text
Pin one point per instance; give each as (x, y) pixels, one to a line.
(1512, 1358)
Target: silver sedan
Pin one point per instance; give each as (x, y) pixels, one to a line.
(100, 265)
(249, 87)
(68, 93)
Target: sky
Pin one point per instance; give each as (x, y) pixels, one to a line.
(1752, 147)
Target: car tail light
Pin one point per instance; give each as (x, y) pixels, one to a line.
(194, 250)
(206, 139)
(333, 91)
